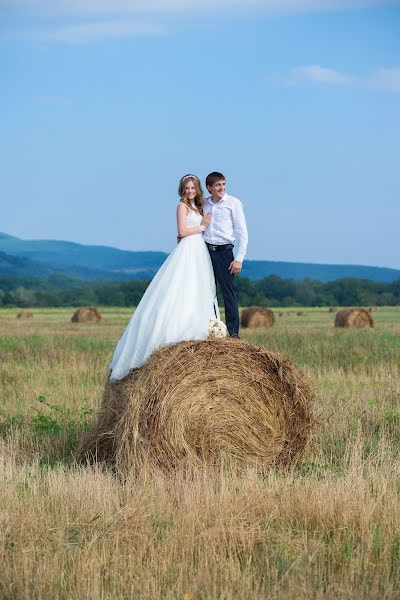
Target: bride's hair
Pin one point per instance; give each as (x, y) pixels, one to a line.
(199, 199)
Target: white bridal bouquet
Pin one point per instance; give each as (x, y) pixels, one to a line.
(217, 329)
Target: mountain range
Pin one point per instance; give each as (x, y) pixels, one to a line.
(42, 258)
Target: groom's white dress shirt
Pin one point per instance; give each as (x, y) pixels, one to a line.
(227, 224)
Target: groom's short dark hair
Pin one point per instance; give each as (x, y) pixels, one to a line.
(213, 178)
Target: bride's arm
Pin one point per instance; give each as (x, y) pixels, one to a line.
(184, 231)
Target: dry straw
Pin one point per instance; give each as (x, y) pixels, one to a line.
(353, 317)
(25, 314)
(200, 402)
(87, 314)
(257, 316)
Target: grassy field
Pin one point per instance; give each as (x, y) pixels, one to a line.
(328, 528)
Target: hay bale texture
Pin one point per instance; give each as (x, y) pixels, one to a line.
(200, 402)
(87, 314)
(257, 316)
(25, 314)
(354, 317)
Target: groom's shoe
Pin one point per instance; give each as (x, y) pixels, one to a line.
(234, 336)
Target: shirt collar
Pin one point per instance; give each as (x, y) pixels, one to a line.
(211, 201)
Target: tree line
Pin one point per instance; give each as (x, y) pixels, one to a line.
(60, 290)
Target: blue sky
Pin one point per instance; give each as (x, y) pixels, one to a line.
(105, 104)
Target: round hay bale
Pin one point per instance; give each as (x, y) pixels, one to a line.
(87, 314)
(284, 314)
(257, 316)
(353, 317)
(301, 313)
(202, 402)
(333, 309)
(25, 314)
(373, 309)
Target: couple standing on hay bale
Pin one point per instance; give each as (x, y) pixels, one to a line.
(181, 299)
(253, 407)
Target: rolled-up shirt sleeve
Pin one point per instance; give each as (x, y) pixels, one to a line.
(240, 227)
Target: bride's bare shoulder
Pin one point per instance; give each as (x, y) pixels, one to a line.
(182, 208)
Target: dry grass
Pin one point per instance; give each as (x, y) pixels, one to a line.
(79, 533)
(326, 528)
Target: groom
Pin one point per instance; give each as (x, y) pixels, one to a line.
(226, 226)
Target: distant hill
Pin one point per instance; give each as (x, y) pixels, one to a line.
(87, 262)
(257, 269)
(17, 266)
(66, 254)
(44, 257)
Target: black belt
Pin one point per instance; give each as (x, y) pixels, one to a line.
(217, 247)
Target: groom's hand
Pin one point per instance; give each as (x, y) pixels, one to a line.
(235, 267)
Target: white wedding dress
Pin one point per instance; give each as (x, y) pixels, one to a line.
(177, 305)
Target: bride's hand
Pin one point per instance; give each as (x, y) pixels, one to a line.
(206, 220)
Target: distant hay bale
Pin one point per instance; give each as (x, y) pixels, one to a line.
(203, 402)
(353, 317)
(333, 309)
(25, 314)
(301, 313)
(87, 314)
(257, 316)
(373, 309)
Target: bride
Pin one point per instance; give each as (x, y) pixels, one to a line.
(181, 298)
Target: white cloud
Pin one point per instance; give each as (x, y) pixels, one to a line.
(382, 79)
(317, 74)
(99, 30)
(386, 79)
(79, 8)
(80, 21)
